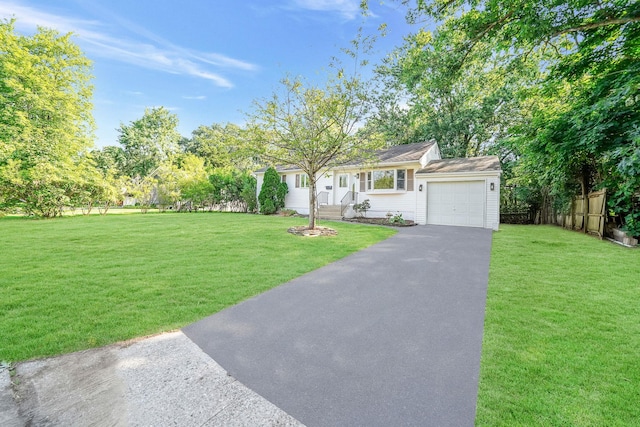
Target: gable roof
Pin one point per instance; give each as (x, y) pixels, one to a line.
(469, 164)
(405, 152)
(395, 154)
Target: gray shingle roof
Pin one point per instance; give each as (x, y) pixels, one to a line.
(395, 154)
(404, 153)
(470, 164)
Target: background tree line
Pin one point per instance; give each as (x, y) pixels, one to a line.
(47, 159)
(158, 167)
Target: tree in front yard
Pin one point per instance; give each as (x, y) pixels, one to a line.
(313, 128)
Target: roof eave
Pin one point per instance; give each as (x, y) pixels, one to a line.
(497, 172)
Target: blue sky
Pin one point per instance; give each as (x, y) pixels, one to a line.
(205, 60)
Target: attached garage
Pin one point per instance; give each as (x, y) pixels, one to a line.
(456, 203)
(460, 192)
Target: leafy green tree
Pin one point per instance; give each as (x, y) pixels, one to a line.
(272, 193)
(45, 118)
(149, 141)
(230, 188)
(110, 158)
(143, 190)
(248, 193)
(312, 128)
(220, 146)
(193, 182)
(167, 189)
(466, 108)
(109, 192)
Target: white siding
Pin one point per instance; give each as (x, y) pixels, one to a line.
(259, 181)
(326, 180)
(493, 203)
(297, 198)
(421, 201)
(381, 203)
(432, 154)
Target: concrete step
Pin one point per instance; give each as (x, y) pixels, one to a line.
(329, 208)
(329, 212)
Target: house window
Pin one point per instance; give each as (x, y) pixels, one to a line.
(400, 179)
(387, 179)
(283, 178)
(302, 180)
(384, 180)
(343, 181)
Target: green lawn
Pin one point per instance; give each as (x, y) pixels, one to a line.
(73, 283)
(562, 331)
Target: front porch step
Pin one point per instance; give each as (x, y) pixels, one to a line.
(329, 212)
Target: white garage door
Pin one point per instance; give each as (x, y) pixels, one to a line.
(456, 203)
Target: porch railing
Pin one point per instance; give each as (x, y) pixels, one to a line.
(350, 197)
(323, 198)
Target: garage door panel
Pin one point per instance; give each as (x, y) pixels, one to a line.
(456, 203)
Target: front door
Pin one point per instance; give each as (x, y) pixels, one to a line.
(341, 186)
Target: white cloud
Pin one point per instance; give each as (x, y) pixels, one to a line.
(348, 9)
(197, 97)
(224, 61)
(142, 48)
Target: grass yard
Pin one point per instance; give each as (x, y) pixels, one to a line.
(562, 331)
(73, 283)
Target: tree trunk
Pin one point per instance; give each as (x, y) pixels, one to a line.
(312, 202)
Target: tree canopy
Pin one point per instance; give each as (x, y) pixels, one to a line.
(220, 146)
(46, 122)
(149, 141)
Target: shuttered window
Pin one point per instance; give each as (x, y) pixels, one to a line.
(387, 180)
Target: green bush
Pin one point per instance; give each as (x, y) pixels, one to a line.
(268, 207)
(272, 193)
(362, 207)
(397, 219)
(248, 193)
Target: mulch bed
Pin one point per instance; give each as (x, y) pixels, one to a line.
(303, 230)
(380, 221)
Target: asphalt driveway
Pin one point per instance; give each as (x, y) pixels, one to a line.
(390, 335)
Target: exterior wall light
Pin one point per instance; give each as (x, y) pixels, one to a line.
(492, 186)
(420, 187)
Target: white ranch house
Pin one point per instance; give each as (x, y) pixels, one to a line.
(409, 179)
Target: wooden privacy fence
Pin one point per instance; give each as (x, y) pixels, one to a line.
(587, 214)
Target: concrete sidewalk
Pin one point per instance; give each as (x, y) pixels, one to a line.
(158, 381)
(391, 335)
